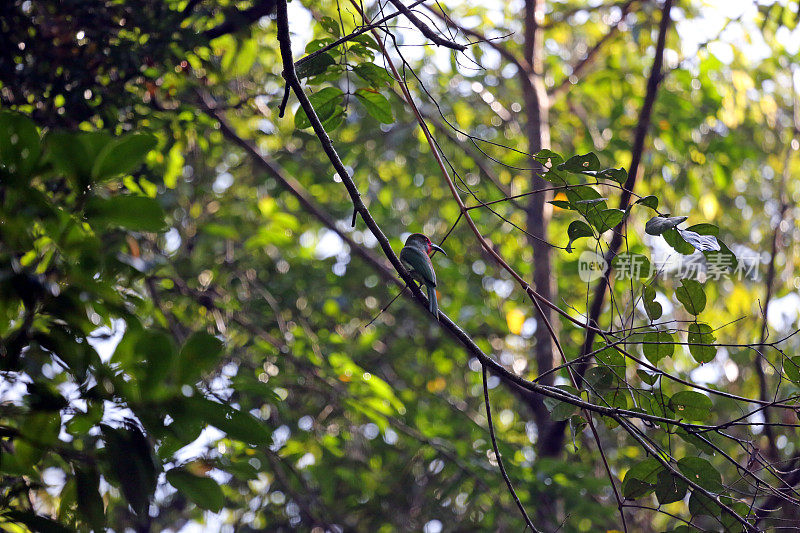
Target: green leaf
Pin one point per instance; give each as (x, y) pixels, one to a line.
(327, 104)
(367, 41)
(700, 504)
(90, 503)
(81, 423)
(670, 488)
(122, 155)
(720, 262)
(155, 350)
(657, 345)
(135, 213)
(236, 424)
(548, 157)
(42, 428)
(27, 454)
(132, 465)
(658, 225)
(691, 405)
(70, 155)
(20, 146)
(586, 201)
(94, 142)
(700, 471)
(576, 230)
(373, 74)
(648, 201)
(561, 410)
(607, 219)
(376, 104)
(651, 306)
(246, 55)
(647, 377)
(563, 204)
(313, 65)
(316, 44)
(611, 359)
(692, 296)
(655, 402)
(701, 340)
(683, 529)
(791, 367)
(330, 26)
(591, 201)
(695, 441)
(578, 164)
(599, 378)
(620, 175)
(641, 478)
(200, 353)
(674, 239)
(361, 51)
(729, 523)
(705, 229)
(202, 491)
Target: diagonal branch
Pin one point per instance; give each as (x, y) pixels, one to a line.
(504, 52)
(424, 28)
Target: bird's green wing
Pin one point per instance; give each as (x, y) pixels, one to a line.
(419, 262)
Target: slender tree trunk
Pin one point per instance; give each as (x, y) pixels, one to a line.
(538, 213)
(538, 218)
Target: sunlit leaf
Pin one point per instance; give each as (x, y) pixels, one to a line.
(376, 104)
(327, 104)
(313, 65)
(136, 213)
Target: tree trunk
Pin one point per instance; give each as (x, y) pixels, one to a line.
(538, 215)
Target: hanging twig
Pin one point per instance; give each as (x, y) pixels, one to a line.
(497, 453)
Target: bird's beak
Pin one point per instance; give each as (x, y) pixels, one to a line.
(437, 248)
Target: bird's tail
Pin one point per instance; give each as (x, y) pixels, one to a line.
(432, 302)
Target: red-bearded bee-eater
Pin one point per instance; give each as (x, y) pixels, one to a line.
(415, 258)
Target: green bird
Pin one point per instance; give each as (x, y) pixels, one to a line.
(415, 258)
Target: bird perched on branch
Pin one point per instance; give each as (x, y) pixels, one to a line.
(415, 257)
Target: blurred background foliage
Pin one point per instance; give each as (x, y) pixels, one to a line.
(183, 343)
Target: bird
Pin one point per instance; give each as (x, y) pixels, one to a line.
(415, 257)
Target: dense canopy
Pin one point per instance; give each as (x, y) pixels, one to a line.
(205, 323)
